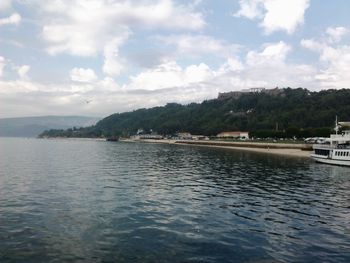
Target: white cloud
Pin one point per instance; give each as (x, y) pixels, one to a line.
(274, 53)
(231, 65)
(170, 75)
(163, 76)
(266, 67)
(5, 4)
(336, 73)
(336, 33)
(169, 82)
(91, 85)
(19, 86)
(284, 15)
(14, 19)
(196, 45)
(82, 75)
(83, 27)
(250, 9)
(274, 15)
(113, 63)
(196, 2)
(23, 71)
(198, 73)
(312, 44)
(12, 43)
(109, 84)
(2, 65)
(71, 39)
(178, 66)
(334, 59)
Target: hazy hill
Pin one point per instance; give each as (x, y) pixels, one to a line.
(33, 126)
(290, 112)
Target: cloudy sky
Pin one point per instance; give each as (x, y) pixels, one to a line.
(122, 55)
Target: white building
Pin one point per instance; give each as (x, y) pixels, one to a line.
(234, 135)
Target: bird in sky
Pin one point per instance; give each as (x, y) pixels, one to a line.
(88, 101)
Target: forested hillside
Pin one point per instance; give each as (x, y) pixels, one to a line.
(293, 112)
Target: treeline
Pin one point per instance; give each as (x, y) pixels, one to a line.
(292, 113)
(292, 132)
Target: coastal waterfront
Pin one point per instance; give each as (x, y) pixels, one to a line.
(286, 149)
(94, 201)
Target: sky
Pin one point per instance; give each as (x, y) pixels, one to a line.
(98, 57)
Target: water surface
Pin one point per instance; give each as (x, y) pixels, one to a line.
(90, 201)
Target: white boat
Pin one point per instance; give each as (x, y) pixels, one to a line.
(336, 149)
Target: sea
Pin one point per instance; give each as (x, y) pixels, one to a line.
(93, 201)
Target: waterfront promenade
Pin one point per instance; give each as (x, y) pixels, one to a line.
(288, 149)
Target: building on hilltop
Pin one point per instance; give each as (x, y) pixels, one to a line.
(236, 94)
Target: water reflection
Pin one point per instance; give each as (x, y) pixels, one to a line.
(107, 202)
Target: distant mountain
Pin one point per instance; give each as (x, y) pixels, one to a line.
(33, 126)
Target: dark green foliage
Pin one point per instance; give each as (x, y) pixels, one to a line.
(292, 113)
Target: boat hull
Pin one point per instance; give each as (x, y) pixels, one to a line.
(330, 161)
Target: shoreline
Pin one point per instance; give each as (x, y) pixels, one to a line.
(282, 149)
(291, 150)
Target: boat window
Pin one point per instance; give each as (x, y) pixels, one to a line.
(322, 152)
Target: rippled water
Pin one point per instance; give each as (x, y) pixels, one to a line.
(89, 201)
